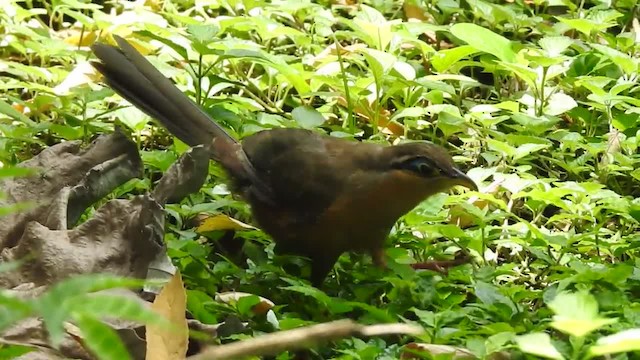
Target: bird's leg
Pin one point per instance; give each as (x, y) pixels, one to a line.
(321, 266)
(377, 255)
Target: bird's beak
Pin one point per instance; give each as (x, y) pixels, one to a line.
(460, 178)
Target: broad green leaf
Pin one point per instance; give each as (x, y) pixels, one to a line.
(307, 117)
(375, 25)
(172, 44)
(409, 112)
(583, 25)
(528, 149)
(103, 341)
(404, 70)
(14, 351)
(199, 303)
(624, 122)
(559, 103)
(530, 76)
(13, 208)
(54, 305)
(113, 306)
(294, 75)
(15, 114)
(501, 147)
(577, 313)
(203, 34)
(454, 77)
(485, 40)
(246, 303)
(17, 171)
(555, 45)
(13, 309)
(624, 341)
(628, 64)
(444, 59)
(380, 61)
(335, 305)
(538, 344)
(491, 295)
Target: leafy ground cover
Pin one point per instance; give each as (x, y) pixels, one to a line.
(537, 100)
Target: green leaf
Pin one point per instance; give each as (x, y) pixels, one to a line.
(13, 309)
(375, 26)
(379, 61)
(54, 306)
(538, 344)
(485, 40)
(199, 304)
(624, 122)
(525, 73)
(8, 110)
(628, 64)
(176, 47)
(103, 341)
(113, 306)
(336, 306)
(583, 25)
(246, 303)
(294, 75)
(559, 103)
(577, 314)
(555, 45)
(307, 117)
(491, 295)
(501, 147)
(411, 112)
(17, 171)
(14, 351)
(444, 59)
(203, 34)
(624, 341)
(528, 149)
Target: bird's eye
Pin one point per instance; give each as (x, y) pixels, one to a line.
(421, 166)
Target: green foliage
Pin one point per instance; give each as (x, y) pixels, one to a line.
(537, 99)
(74, 300)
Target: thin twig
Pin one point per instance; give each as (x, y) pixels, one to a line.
(302, 338)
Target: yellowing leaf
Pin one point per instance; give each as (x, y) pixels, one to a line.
(81, 38)
(169, 343)
(222, 222)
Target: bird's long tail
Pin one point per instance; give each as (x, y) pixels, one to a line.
(134, 78)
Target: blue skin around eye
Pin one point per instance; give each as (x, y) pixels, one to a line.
(420, 166)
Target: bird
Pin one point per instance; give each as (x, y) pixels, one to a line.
(315, 195)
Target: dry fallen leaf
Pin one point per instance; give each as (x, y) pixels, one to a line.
(169, 343)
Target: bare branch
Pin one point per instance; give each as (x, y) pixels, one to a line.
(302, 338)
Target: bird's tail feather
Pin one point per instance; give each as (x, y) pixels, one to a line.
(134, 78)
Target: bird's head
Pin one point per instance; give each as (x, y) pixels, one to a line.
(426, 166)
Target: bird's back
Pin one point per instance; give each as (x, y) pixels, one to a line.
(307, 173)
(305, 170)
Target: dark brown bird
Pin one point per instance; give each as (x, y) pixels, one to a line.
(316, 195)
